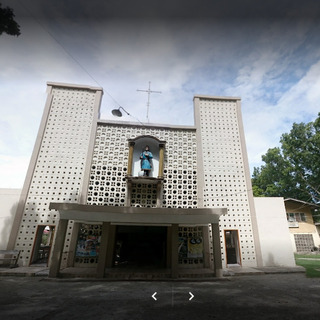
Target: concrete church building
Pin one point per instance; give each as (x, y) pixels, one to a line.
(86, 202)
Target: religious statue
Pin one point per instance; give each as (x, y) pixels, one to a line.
(146, 161)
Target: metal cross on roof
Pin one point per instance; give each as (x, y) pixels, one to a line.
(148, 103)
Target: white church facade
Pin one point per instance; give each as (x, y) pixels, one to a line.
(86, 202)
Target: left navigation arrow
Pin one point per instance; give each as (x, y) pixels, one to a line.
(154, 296)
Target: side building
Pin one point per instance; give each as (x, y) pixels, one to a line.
(303, 231)
(87, 203)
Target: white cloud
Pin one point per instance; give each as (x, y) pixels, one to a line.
(272, 67)
(278, 83)
(302, 100)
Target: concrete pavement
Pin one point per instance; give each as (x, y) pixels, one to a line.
(256, 296)
(43, 271)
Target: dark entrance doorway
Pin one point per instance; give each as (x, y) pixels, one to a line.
(232, 247)
(140, 246)
(42, 244)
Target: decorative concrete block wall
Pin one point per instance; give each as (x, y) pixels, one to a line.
(224, 170)
(58, 163)
(108, 185)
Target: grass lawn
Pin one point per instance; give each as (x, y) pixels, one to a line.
(311, 262)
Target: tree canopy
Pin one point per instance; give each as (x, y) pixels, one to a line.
(293, 169)
(7, 22)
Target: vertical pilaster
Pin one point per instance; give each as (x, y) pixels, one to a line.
(104, 245)
(129, 193)
(58, 248)
(73, 244)
(110, 245)
(159, 194)
(174, 251)
(249, 188)
(161, 160)
(130, 157)
(169, 246)
(200, 154)
(87, 170)
(217, 261)
(206, 247)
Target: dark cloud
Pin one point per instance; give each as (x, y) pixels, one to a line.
(175, 9)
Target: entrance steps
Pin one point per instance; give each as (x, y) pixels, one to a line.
(137, 274)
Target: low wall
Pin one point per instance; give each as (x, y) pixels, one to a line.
(9, 199)
(276, 246)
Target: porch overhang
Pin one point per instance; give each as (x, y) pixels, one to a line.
(108, 215)
(137, 215)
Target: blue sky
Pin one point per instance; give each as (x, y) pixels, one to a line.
(266, 52)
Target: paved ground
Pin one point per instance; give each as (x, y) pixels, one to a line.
(265, 296)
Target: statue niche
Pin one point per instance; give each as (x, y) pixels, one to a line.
(145, 157)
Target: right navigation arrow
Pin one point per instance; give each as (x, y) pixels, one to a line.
(191, 296)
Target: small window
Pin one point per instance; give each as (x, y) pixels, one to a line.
(291, 217)
(296, 217)
(303, 217)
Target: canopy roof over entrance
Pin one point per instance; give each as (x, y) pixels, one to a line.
(109, 215)
(112, 214)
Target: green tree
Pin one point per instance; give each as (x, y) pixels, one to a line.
(7, 22)
(293, 170)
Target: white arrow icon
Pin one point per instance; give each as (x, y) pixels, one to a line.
(154, 296)
(191, 296)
